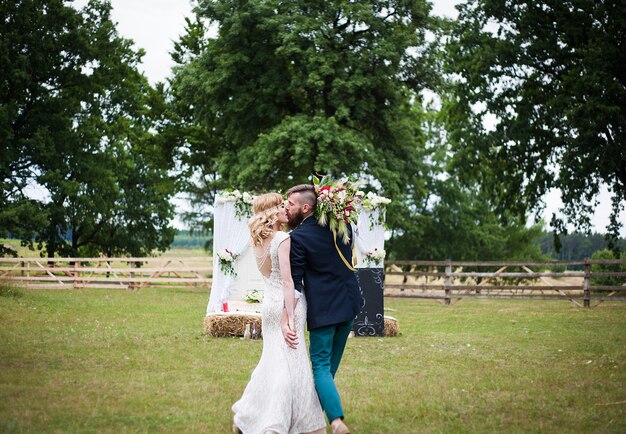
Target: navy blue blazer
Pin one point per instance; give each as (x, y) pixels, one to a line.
(331, 289)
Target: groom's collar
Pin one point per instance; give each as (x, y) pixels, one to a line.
(306, 220)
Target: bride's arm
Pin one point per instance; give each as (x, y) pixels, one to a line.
(285, 274)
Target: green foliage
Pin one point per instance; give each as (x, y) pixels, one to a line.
(551, 75)
(10, 290)
(76, 120)
(608, 280)
(186, 239)
(461, 225)
(289, 89)
(576, 246)
(189, 142)
(286, 90)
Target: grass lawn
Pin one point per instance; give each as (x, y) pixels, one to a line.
(116, 361)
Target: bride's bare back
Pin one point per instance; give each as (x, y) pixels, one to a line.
(262, 257)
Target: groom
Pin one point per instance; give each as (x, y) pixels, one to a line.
(332, 295)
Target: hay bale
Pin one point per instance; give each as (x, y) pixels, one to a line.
(391, 327)
(221, 325)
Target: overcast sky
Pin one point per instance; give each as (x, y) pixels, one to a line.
(154, 24)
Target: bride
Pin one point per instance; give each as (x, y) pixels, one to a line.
(280, 397)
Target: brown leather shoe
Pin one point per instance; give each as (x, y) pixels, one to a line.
(318, 431)
(339, 427)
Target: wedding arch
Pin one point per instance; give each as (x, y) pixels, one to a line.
(234, 268)
(236, 277)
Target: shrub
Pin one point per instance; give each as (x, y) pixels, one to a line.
(607, 280)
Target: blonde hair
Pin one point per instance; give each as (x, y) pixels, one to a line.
(265, 208)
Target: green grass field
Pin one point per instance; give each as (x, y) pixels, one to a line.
(116, 361)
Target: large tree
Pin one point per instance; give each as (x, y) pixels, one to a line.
(539, 102)
(189, 141)
(288, 89)
(79, 161)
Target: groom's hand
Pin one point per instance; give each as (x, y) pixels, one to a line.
(289, 333)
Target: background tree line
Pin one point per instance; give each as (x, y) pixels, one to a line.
(377, 89)
(574, 247)
(82, 169)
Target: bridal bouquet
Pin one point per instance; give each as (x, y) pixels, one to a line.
(227, 260)
(336, 204)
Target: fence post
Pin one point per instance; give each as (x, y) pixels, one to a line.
(405, 277)
(586, 292)
(131, 284)
(75, 274)
(447, 281)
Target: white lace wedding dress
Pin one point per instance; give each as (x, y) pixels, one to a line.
(280, 396)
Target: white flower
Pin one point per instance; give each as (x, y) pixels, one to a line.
(247, 198)
(226, 255)
(375, 256)
(230, 196)
(374, 201)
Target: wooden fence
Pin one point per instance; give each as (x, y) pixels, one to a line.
(445, 281)
(123, 273)
(450, 280)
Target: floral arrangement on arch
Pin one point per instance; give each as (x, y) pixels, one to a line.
(243, 201)
(336, 204)
(254, 296)
(372, 201)
(374, 256)
(227, 261)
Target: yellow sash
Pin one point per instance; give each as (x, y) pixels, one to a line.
(345, 261)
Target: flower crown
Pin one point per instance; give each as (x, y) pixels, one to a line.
(336, 204)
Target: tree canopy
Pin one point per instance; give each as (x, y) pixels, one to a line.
(285, 90)
(538, 101)
(288, 89)
(76, 120)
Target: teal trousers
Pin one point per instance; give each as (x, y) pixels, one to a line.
(326, 348)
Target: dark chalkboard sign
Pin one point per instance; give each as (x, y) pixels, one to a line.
(370, 320)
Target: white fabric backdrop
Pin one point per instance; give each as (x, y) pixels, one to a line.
(369, 237)
(229, 232)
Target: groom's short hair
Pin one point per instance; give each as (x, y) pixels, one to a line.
(307, 194)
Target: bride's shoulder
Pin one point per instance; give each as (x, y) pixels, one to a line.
(280, 236)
